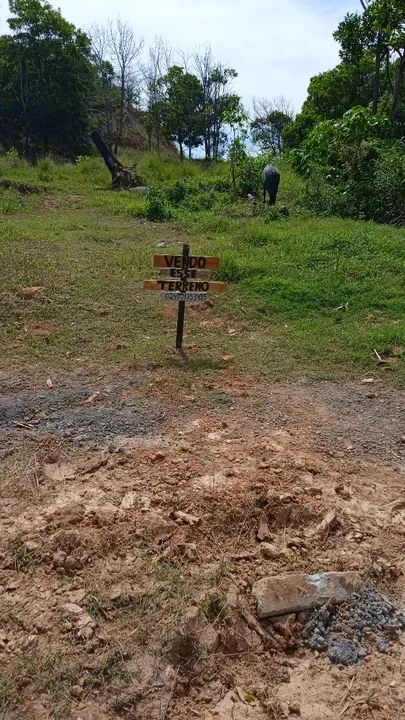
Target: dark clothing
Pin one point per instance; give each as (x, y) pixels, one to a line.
(271, 181)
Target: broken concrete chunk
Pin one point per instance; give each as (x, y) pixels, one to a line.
(186, 518)
(292, 593)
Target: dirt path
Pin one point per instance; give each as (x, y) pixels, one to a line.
(111, 606)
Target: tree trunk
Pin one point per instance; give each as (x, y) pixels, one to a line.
(397, 92)
(377, 72)
(190, 154)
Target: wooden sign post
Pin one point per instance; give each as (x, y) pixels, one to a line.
(183, 278)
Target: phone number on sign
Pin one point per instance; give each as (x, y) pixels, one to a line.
(178, 296)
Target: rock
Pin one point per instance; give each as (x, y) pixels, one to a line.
(186, 518)
(58, 472)
(129, 500)
(105, 515)
(342, 491)
(283, 594)
(294, 709)
(29, 293)
(58, 559)
(31, 545)
(71, 564)
(263, 531)
(158, 456)
(382, 645)
(367, 381)
(76, 691)
(325, 526)
(272, 552)
(345, 653)
(73, 609)
(196, 626)
(95, 464)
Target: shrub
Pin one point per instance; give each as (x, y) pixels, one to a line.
(352, 170)
(157, 208)
(45, 169)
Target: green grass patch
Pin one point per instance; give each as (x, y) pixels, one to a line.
(90, 248)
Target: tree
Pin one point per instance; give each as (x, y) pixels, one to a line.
(381, 32)
(217, 101)
(157, 66)
(124, 49)
(271, 119)
(179, 103)
(47, 80)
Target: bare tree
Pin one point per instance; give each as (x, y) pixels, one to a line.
(99, 43)
(157, 65)
(270, 119)
(124, 50)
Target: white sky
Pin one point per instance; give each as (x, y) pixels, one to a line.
(276, 46)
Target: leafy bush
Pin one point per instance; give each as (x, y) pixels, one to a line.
(157, 208)
(10, 202)
(352, 170)
(45, 169)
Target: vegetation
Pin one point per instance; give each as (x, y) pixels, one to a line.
(287, 276)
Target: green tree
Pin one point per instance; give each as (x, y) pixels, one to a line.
(47, 80)
(179, 104)
(218, 103)
(269, 124)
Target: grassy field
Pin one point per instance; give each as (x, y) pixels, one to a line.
(90, 248)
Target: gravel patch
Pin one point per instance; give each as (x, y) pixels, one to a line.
(351, 631)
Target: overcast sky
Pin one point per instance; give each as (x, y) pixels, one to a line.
(276, 46)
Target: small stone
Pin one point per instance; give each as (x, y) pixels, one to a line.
(31, 545)
(272, 552)
(382, 646)
(129, 500)
(71, 564)
(158, 456)
(73, 609)
(58, 559)
(294, 709)
(76, 691)
(342, 491)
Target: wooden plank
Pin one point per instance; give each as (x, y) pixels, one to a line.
(187, 296)
(203, 286)
(178, 273)
(195, 262)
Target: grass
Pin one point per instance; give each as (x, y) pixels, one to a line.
(90, 248)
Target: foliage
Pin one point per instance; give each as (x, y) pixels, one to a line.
(352, 171)
(47, 81)
(179, 104)
(157, 208)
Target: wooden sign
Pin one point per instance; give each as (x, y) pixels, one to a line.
(193, 262)
(184, 286)
(179, 272)
(184, 278)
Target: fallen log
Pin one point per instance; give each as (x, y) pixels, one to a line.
(122, 177)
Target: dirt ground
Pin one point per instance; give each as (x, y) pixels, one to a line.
(112, 606)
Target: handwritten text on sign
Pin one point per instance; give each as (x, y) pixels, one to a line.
(183, 286)
(194, 262)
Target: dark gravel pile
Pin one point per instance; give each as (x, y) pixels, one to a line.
(103, 424)
(349, 632)
(64, 411)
